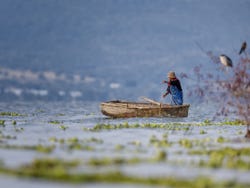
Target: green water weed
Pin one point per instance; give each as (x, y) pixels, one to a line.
(203, 132)
(112, 161)
(7, 137)
(159, 142)
(221, 139)
(136, 143)
(186, 143)
(10, 114)
(224, 158)
(2, 123)
(59, 170)
(55, 122)
(160, 156)
(63, 127)
(119, 147)
(39, 148)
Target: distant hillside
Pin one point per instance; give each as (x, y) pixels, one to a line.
(126, 46)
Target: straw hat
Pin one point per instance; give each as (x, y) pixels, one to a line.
(171, 74)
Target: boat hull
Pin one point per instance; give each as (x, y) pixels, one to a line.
(120, 109)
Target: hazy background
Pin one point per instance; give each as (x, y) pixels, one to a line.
(111, 49)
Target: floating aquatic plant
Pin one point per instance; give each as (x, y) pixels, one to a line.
(167, 126)
(119, 147)
(159, 142)
(74, 140)
(39, 148)
(112, 161)
(203, 132)
(63, 127)
(55, 122)
(2, 122)
(60, 114)
(207, 121)
(225, 158)
(8, 137)
(59, 170)
(136, 143)
(161, 156)
(10, 114)
(221, 139)
(186, 143)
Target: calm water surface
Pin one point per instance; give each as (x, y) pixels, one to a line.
(72, 118)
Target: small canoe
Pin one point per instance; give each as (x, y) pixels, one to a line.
(124, 109)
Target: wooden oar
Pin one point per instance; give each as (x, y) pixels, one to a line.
(151, 101)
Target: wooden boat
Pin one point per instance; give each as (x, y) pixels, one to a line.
(124, 109)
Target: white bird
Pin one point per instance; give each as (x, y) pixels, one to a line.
(225, 60)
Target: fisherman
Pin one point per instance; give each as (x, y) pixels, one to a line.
(174, 88)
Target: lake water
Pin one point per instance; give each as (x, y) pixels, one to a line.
(44, 123)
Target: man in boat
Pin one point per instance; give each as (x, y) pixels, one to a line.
(174, 88)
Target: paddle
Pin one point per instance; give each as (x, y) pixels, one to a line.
(151, 100)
